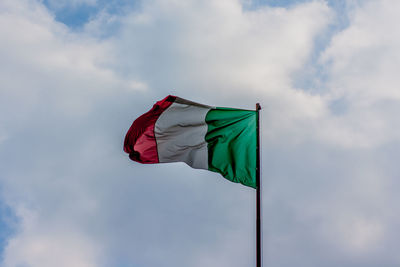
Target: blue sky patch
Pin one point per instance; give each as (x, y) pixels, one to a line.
(76, 16)
(8, 221)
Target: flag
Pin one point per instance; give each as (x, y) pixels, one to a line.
(222, 140)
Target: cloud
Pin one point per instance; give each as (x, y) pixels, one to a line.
(239, 57)
(43, 58)
(360, 64)
(40, 244)
(52, 80)
(61, 4)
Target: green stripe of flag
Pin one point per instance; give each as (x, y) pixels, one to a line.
(232, 144)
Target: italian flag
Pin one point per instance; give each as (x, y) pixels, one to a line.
(222, 140)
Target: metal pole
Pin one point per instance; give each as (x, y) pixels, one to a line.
(258, 181)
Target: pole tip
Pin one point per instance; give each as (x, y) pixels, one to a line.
(258, 106)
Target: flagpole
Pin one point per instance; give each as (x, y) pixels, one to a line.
(258, 201)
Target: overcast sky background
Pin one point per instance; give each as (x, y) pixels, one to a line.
(74, 74)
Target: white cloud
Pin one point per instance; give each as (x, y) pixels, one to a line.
(239, 57)
(43, 244)
(52, 81)
(60, 4)
(43, 58)
(361, 64)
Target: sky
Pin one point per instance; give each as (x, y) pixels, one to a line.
(76, 73)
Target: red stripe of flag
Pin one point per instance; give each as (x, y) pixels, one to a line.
(140, 141)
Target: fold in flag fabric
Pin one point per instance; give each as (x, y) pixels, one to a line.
(222, 140)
